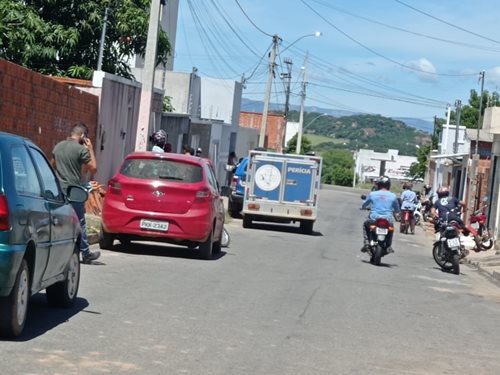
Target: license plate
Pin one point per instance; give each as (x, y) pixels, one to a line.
(453, 242)
(154, 225)
(382, 230)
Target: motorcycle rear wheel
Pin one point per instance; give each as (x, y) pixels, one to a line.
(376, 255)
(440, 258)
(456, 264)
(486, 242)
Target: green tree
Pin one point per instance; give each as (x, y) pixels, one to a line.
(418, 169)
(305, 145)
(62, 37)
(469, 113)
(338, 167)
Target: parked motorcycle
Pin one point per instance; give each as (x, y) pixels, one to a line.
(448, 249)
(482, 235)
(417, 214)
(226, 238)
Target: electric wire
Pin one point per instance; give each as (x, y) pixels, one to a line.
(446, 22)
(328, 5)
(379, 54)
(250, 20)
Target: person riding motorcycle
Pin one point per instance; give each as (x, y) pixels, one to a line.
(159, 139)
(408, 202)
(448, 208)
(383, 204)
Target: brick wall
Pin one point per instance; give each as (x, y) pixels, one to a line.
(42, 108)
(274, 130)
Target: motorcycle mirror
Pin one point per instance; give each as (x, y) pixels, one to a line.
(363, 196)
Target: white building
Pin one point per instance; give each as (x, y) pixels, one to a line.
(371, 164)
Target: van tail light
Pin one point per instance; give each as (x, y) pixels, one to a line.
(114, 187)
(4, 213)
(203, 195)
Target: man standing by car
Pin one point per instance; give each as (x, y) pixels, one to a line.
(69, 156)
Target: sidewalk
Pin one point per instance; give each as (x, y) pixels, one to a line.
(487, 262)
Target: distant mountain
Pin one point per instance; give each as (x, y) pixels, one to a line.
(257, 106)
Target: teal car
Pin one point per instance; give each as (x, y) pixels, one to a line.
(39, 233)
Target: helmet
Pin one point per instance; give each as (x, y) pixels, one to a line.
(159, 137)
(443, 191)
(384, 182)
(199, 151)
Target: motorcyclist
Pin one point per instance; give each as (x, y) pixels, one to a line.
(408, 202)
(448, 208)
(383, 204)
(159, 139)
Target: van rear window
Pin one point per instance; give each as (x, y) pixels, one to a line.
(168, 170)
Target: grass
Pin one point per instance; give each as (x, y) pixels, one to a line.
(317, 139)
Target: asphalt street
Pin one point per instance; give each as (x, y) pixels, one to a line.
(274, 302)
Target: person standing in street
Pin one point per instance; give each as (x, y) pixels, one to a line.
(70, 157)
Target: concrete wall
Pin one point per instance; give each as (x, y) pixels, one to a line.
(42, 108)
(369, 164)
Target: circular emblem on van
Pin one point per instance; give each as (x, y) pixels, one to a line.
(267, 177)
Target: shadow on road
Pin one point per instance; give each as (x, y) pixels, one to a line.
(162, 250)
(42, 318)
(382, 264)
(281, 228)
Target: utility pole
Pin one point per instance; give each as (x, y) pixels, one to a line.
(480, 117)
(141, 139)
(302, 100)
(103, 37)
(288, 77)
(272, 59)
(458, 105)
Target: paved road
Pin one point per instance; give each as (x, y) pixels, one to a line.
(276, 302)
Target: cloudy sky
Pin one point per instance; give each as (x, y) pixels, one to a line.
(401, 58)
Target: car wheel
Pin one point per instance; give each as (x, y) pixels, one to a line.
(247, 221)
(205, 248)
(105, 240)
(306, 226)
(63, 293)
(225, 239)
(14, 308)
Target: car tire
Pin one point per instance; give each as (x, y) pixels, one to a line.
(14, 308)
(63, 293)
(106, 240)
(247, 221)
(205, 248)
(306, 226)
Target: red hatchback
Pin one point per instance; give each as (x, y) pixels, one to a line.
(164, 197)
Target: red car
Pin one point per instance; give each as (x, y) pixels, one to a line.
(164, 197)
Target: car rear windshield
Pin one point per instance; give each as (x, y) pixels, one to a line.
(155, 169)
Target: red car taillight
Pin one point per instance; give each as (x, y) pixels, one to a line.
(4, 213)
(114, 187)
(203, 196)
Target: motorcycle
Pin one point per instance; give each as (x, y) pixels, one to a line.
(448, 250)
(226, 238)
(417, 214)
(406, 218)
(377, 237)
(482, 235)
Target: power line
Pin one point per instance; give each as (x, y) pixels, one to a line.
(446, 22)
(405, 30)
(377, 53)
(250, 20)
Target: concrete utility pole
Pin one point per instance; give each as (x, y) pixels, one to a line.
(148, 78)
(288, 77)
(302, 100)
(458, 105)
(103, 37)
(480, 117)
(272, 59)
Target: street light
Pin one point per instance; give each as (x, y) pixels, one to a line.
(270, 76)
(314, 119)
